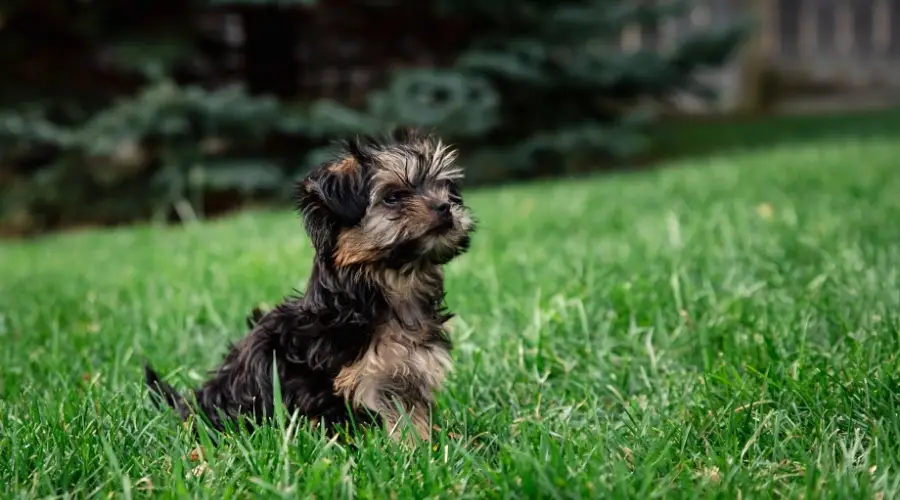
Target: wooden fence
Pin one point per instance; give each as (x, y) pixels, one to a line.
(838, 49)
(846, 48)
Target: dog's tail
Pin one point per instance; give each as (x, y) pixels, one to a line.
(165, 392)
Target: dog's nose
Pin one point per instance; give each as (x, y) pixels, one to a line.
(442, 208)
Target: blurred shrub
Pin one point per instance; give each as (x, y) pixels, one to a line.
(151, 155)
(536, 89)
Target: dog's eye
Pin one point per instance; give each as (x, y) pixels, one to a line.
(393, 198)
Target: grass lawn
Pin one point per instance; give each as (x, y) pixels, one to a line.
(727, 327)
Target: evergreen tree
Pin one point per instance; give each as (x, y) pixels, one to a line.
(138, 97)
(544, 81)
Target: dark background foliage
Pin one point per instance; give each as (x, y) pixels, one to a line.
(112, 112)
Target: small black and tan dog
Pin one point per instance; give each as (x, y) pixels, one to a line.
(367, 338)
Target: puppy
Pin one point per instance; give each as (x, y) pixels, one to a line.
(366, 340)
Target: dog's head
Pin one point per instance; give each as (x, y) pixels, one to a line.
(393, 203)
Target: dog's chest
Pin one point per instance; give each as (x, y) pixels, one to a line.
(398, 361)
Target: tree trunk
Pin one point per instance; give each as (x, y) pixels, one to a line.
(270, 62)
(752, 61)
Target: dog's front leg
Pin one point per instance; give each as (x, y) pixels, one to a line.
(399, 410)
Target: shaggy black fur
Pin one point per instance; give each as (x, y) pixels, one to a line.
(332, 325)
(309, 344)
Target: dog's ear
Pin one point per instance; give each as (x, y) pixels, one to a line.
(332, 197)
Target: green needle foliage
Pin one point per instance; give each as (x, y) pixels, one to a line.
(530, 89)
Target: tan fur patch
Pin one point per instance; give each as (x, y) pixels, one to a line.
(353, 248)
(402, 287)
(395, 365)
(345, 166)
(387, 178)
(420, 216)
(394, 168)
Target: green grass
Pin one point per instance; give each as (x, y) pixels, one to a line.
(725, 327)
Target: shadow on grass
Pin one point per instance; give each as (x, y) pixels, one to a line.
(682, 137)
(702, 136)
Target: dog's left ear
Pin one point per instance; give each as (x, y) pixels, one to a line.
(332, 197)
